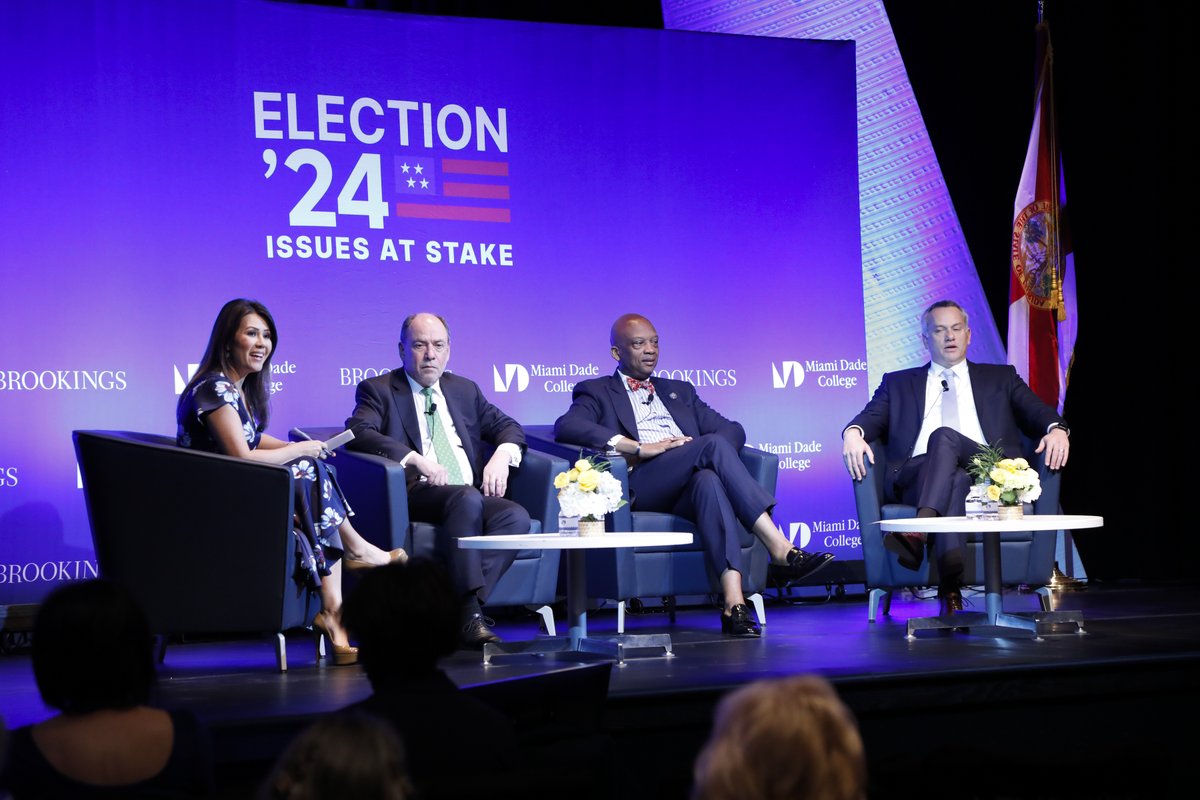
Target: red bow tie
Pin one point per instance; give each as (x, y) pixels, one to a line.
(636, 384)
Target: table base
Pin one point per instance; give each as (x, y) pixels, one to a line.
(607, 646)
(1036, 621)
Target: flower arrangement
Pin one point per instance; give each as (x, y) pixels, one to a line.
(1014, 482)
(983, 462)
(588, 490)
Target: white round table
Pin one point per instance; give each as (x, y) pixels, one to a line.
(577, 547)
(993, 589)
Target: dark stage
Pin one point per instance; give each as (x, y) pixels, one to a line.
(1103, 714)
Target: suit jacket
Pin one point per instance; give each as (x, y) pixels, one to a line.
(1006, 406)
(385, 420)
(600, 410)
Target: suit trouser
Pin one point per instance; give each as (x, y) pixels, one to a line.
(939, 480)
(706, 482)
(464, 511)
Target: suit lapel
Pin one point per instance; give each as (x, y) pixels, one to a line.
(406, 408)
(919, 379)
(620, 401)
(456, 405)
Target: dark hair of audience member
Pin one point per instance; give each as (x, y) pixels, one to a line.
(92, 649)
(783, 737)
(405, 617)
(348, 754)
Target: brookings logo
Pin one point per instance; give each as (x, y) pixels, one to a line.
(788, 373)
(503, 383)
(799, 534)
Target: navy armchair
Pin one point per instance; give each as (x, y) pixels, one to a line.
(378, 493)
(623, 574)
(179, 527)
(1027, 557)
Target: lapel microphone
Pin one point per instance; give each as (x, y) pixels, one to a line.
(936, 398)
(433, 408)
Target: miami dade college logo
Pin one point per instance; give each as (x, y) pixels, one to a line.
(802, 530)
(180, 380)
(504, 383)
(1035, 253)
(788, 372)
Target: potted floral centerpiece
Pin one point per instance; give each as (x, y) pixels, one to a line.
(588, 491)
(1006, 482)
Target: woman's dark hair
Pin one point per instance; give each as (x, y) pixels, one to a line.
(405, 617)
(92, 648)
(217, 356)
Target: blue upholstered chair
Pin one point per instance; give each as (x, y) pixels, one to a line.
(179, 527)
(623, 574)
(378, 493)
(1027, 557)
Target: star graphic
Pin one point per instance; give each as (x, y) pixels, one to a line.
(419, 169)
(411, 183)
(424, 183)
(404, 167)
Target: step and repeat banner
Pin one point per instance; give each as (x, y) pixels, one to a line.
(529, 182)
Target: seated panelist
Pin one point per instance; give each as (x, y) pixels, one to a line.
(225, 408)
(684, 459)
(437, 425)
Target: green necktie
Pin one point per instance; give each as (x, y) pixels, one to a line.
(441, 444)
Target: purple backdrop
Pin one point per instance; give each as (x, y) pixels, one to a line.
(158, 159)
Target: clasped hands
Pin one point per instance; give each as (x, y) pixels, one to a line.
(648, 451)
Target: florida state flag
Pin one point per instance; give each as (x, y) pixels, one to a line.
(1042, 318)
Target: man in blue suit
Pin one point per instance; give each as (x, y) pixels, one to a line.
(934, 419)
(684, 459)
(436, 425)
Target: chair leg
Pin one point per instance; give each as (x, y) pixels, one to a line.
(160, 648)
(620, 616)
(281, 651)
(1045, 597)
(760, 609)
(878, 599)
(548, 619)
(669, 602)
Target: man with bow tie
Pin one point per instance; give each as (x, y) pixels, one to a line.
(684, 459)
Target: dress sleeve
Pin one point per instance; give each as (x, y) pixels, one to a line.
(211, 393)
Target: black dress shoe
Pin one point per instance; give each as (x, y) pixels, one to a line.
(738, 622)
(908, 547)
(477, 632)
(799, 564)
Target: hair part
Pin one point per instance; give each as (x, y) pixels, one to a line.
(256, 385)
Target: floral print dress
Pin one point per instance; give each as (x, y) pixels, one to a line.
(319, 503)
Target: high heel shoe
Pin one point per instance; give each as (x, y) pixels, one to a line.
(343, 654)
(354, 565)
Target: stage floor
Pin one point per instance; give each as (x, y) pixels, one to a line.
(1090, 714)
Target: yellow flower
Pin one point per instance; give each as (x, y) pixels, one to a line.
(589, 480)
(1008, 464)
(561, 480)
(993, 492)
(998, 475)
(1021, 463)
(573, 475)
(583, 465)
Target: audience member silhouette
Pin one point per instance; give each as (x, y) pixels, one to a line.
(348, 754)
(405, 618)
(784, 737)
(93, 661)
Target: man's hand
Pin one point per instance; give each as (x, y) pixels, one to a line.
(495, 475)
(658, 448)
(854, 446)
(1057, 445)
(434, 473)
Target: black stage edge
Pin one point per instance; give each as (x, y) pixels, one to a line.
(1103, 714)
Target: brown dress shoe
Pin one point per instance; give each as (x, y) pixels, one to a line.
(908, 547)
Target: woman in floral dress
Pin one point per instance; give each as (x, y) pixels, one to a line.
(225, 409)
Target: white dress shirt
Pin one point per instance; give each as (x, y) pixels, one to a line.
(443, 414)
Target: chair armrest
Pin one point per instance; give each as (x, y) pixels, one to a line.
(376, 488)
(532, 486)
(762, 466)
